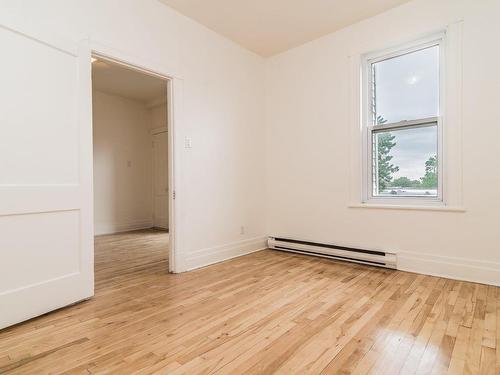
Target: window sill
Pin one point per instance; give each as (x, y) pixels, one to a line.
(408, 207)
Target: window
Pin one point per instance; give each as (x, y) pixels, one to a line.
(402, 125)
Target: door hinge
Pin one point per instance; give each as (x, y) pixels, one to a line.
(173, 194)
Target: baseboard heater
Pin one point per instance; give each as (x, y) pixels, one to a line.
(349, 254)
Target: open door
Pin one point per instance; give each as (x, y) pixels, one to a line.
(160, 180)
(46, 234)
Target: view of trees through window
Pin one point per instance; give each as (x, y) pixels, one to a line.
(389, 181)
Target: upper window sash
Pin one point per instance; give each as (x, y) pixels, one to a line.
(405, 124)
(372, 58)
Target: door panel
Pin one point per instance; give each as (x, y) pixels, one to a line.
(39, 113)
(30, 265)
(160, 180)
(46, 247)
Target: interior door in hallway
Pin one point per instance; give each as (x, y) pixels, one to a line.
(160, 180)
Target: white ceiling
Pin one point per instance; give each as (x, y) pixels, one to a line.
(119, 80)
(268, 27)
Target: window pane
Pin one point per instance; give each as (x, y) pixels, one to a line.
(405, 162)
(407, 87)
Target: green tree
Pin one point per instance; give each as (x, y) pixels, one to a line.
(405, 182)
(430, 178)
(402, 182)
(385, 142)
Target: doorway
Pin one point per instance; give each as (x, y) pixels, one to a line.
(131, 169)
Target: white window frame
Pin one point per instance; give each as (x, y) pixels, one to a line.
(369, 128)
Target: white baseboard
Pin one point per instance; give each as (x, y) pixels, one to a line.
(161, 222)
(450, 267)
(208, 256)
(110, 228)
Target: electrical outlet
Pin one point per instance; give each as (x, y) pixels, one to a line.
(188, 142)
(242, 230)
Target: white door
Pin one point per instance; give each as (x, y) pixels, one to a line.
(160, 180)
(46, 235)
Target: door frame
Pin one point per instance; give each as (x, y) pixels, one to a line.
(88, 49)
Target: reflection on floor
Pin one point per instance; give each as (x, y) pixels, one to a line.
(263, 313)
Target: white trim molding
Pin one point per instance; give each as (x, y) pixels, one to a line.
(102, 228)
(464, 269)
(216, 254)
(408, 207)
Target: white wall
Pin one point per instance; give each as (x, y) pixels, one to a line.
(308, 123)
(220, 183)
(122, 164)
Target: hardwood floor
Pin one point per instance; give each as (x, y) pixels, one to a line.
(264, 313)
